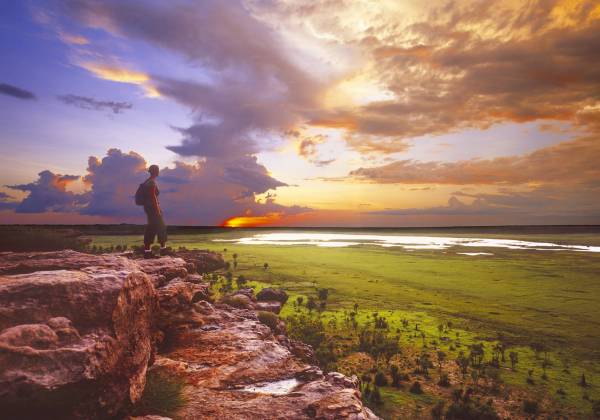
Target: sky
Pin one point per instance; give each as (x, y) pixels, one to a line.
(301, 113)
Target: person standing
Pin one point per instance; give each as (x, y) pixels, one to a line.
(155, 226)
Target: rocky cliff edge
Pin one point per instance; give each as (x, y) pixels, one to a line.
(79, 334)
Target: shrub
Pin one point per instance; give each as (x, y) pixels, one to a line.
(530, 407)
(380, 379)
(376, 397)
(596, 408)
(269, 319)
(437, 412)
(163, 395)
(415, 388)
(309, 330)
(444, 380)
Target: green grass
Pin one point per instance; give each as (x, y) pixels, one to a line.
(527, 296)
(163, 395)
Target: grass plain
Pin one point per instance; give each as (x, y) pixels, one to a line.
(523, 296)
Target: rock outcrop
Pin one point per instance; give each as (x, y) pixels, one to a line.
(73, 342)
(78, 333)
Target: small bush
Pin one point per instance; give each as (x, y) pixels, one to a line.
(269, 319)
(437, 412)
(380, 379)
(163, 395)
(531, 407)
(415, 388)
(444, 380)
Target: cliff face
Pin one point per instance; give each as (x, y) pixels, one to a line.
(79, 332)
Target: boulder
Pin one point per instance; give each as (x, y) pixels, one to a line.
(203, 261)
(270, 306)
(176, 303)
(235, 367)
(238, 300)
(29, 262)
(269, 294)
(73, 344)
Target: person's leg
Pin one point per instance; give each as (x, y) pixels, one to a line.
(162, 236)
(149, 234)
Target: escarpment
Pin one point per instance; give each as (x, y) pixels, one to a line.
(80, 333)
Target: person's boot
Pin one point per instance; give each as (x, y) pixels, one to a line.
(166, 251)
(148, 255)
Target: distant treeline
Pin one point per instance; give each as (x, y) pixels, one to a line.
(40, 238)
(131, 229)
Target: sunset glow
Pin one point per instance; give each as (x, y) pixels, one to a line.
(393, 113)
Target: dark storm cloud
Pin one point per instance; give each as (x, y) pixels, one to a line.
(86, 102)
(16, 92)
(49, 193)
(7, 202)
(205, 193)
(255, 89)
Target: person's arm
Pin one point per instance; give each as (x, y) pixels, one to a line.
(154, 199)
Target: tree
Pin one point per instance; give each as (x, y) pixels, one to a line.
(441, 357)
(323, 294)
(266, 266)
(476, 354)
(380, 379)
(583, 381)
(444, 380)
(311, 304)
(415, 388)
(514, 359)
(395, 372)
(440, 328)
(241, 281)
(437, 412)
(424, 363)
(299, 300)
(463, 362)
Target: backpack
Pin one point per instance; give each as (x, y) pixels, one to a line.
(140, 194)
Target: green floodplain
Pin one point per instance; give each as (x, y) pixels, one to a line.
(542, 306)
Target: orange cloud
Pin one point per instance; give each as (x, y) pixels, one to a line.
(73, 39)
(122, 75)
(344, 123)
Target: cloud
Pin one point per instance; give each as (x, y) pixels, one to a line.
(308, 147)
(85, 102)
(574, 161)
(255, 90)
(452, 65)
(205, 193)
(7, 202)
(536, 205)
(72, 39)
(49, 193)
(113, 181)
(15, 92)
(121, 74)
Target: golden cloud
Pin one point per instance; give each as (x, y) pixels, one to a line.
(122, 75)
